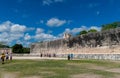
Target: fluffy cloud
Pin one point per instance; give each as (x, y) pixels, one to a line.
(55, 22)
(11, 27)
(18, 28)
(5, 26)
(15, 33)
(48, 2)
(44, 36)
(77, 30)
(10, 32)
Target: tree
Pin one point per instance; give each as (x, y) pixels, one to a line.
(110, 26)
(26, 50)
(83, 32)
(17, 48)
(92, 30)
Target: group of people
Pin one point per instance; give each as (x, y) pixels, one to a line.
(47, 55)
(6, 56)
(70, 56)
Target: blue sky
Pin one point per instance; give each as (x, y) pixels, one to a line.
(27, 21)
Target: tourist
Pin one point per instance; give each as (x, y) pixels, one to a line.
(7, 56)
(11, 56)
(41, 55)
(71, 55)
(68, 56)
(3, 58)
(54, 55)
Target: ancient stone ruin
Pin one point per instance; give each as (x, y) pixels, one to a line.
(106, 42)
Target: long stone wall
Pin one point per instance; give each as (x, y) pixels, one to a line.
(106, 42)
(94, 56)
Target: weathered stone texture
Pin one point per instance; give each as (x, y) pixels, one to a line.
(106, 42)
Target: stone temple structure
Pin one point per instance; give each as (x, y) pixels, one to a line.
(98, 45)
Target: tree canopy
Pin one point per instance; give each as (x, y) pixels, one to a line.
(83, 32)
(18, 48)
(110, 26)
(92, 30)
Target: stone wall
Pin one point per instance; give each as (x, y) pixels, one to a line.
(94, 56)
(106, 42)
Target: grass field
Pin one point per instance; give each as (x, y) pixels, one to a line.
(60, 69)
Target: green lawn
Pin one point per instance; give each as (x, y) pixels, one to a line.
(60, 69)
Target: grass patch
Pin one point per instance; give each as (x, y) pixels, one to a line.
(59, 68)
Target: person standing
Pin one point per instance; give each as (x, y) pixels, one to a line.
(3, 58)
(11, 56)
(68, 56)
(7, 56)
(71, 55)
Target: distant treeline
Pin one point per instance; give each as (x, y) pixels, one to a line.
(103, 28)
(17, 48)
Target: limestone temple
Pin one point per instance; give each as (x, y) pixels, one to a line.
(106, 42)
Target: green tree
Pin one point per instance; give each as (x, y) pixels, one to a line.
(26, 50)
(17, 48)
(83, 32)
(110, 26)
(92, 30)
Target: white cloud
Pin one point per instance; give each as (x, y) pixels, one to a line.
(15, 33)
(41, 35)
(27, 37)
(74, 31)
(4, 37)
(5, 26)
(48, 2)
(55, 22)
(18, 28)
(39, 30)
(16, 36)
(10, 32)
(44, 36)
(95, 27)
